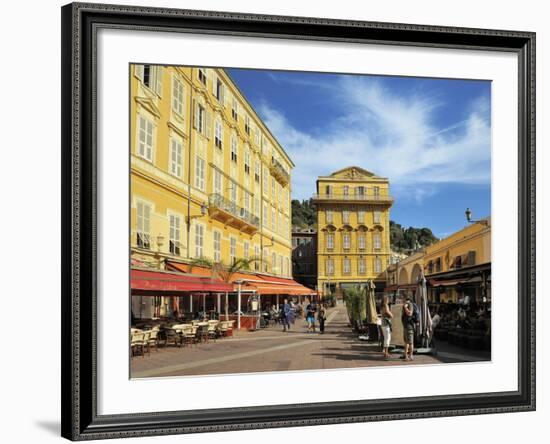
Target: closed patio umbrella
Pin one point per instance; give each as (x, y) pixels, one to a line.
(425, 317)
(371, 304)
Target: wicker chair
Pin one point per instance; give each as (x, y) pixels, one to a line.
(172, 337)
(137, 343)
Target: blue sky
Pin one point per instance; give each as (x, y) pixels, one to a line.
(430, 137)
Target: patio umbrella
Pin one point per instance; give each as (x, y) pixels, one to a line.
(371, 304)
(425, 318)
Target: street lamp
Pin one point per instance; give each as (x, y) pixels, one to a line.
(468, 214)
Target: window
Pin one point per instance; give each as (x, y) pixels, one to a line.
(143, 225)
(330, 266)
(247, 124)
(234, 149)
(273, 262)
(330, 241)
(266, 182)
(218, 134)
(346, 240)
(361, 216)
(247, 161)
(257, 171)
(202, 76)
(257, 135)
(246, 200)
(199, 240)
(145, 138)
(273, 194)
(219, 90)
(328, 190)
(329, 216)
(280, 222)
(151, 76)
(265, 216)
(233, 193)
(176, 158)
(376, 191)
(175, 234)
(362, 265)
(217, 246)
(346, 190)
(218, 182)
(361, 240)
(235, 109)
(377, 265)
(346, 265)
(256, 255)
(345, 216)
(200, 165)
(199, 121)
(257, 207)
(273, 220)
(178, 97)
(233, 250)
(377, 241)
(246, 250)
(360, 191)
(377, 215)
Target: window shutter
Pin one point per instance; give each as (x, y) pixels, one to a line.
(208, 124)
(222, 94)
(214, 84)
(139, 72)
(227, 99)
(159, 72)
(195, 114)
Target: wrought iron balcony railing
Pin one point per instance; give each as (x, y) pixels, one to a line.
(218, 202)
(279, 171)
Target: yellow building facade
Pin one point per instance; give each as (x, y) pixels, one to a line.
(460, 264)
(353, 218)
(208, 179)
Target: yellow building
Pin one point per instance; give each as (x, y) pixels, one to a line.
(353, 217)
(208, 179)
(460, 265)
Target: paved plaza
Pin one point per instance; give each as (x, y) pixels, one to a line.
(271, 349)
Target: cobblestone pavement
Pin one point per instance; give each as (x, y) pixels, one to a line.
(271, 349)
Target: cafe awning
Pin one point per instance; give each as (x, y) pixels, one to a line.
(159, 281)
(445, 283)
(271, 285)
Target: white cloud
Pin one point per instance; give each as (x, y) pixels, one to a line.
(391, 135)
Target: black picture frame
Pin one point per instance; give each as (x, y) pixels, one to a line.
(80, 23)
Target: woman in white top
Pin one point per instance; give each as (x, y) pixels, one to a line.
(387, 316)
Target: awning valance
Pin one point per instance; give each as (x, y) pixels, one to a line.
(158, 281)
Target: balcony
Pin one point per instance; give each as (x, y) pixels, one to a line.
(279, 172)
(231, 214)
(366, 198)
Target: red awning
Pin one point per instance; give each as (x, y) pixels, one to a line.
(275, 285)
(173, 282)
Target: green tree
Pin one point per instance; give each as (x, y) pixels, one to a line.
(406, 240)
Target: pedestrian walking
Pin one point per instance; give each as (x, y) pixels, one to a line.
(321, 317)
(286, 313)
(386, 326)
(408, 329)
(310, 317)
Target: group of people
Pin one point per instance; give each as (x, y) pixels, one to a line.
(287, 314)
(409, 321)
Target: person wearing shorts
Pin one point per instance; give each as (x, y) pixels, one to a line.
(386, 315)
(408, 329)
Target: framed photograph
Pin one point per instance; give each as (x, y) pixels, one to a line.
(276, 221)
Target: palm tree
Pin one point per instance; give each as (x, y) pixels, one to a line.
(225, 272)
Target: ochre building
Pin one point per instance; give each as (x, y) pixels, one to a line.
(208, 179)
(353, 218)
